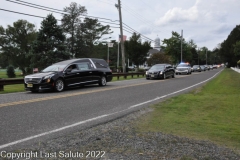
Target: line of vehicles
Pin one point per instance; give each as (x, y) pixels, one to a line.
(163, 71)
(85, 71)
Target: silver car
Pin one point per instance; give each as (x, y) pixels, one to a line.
(183, 68)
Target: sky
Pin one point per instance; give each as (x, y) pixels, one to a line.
(207, 22)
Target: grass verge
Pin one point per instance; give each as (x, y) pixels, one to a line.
(211, 112)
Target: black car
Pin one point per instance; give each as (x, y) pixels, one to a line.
(196, 68)
(160, 71)
(69, 73)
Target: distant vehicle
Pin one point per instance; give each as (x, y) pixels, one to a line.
(211, 67)
(146, 68)
(183, 68)
(196, 68)
(131, 68)
(69, 73)
(160, 71)
(203, 68)
(215, 66)
(207, 67)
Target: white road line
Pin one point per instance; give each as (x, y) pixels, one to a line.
(99, 117)
(49, 132)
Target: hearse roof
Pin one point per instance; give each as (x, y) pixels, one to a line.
(75, 60)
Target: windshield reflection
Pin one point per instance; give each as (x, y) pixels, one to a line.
(55, 68)
(157, 68)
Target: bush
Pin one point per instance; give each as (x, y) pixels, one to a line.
(11, 72)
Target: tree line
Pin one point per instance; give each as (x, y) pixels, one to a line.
(25, 47)
(227, 52)
(22, 46)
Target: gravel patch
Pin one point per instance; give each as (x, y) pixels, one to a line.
(118, 140)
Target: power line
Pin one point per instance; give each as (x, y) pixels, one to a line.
(37, 5)
(140, 18)
(43, 8)
(45, 17)
(137, 32)
(51, 9)
(21, 13)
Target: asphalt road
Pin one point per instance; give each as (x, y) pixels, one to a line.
(26, 117)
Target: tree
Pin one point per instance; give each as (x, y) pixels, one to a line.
(89, 33)
(172, 47)
(15, 42)
(158, 58)
(71, 24)
(50, 45)
(3, 61)
(203, 55)
(228, 46)
(136, 50)
(237, 48)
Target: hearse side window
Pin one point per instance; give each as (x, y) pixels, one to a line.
(83, 66)
(72, 68)
(100, 65)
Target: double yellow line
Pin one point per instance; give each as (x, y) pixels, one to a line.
(71, 94)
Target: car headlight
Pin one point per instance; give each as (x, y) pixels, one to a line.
(161, 72)
(146, 72)
(48, 78)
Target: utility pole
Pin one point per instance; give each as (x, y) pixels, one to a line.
(206, 56)
(198, 56)
(121, 32)
(181, 44)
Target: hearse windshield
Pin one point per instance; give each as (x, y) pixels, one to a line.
(55, 68)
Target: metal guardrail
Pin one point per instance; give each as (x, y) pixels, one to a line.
(4, 82)
(118, 75)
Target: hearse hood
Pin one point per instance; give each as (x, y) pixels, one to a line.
(40, 75)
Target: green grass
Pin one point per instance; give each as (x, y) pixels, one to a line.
(3, 74)
(13, 88)
(211, 112)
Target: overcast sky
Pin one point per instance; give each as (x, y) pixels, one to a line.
(207, 22)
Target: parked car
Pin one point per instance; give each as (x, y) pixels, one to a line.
(131, 68)
(183, 68)
(69, 73)
(196, 68)
(160, 71)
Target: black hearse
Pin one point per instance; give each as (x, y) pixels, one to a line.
(69, 73)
